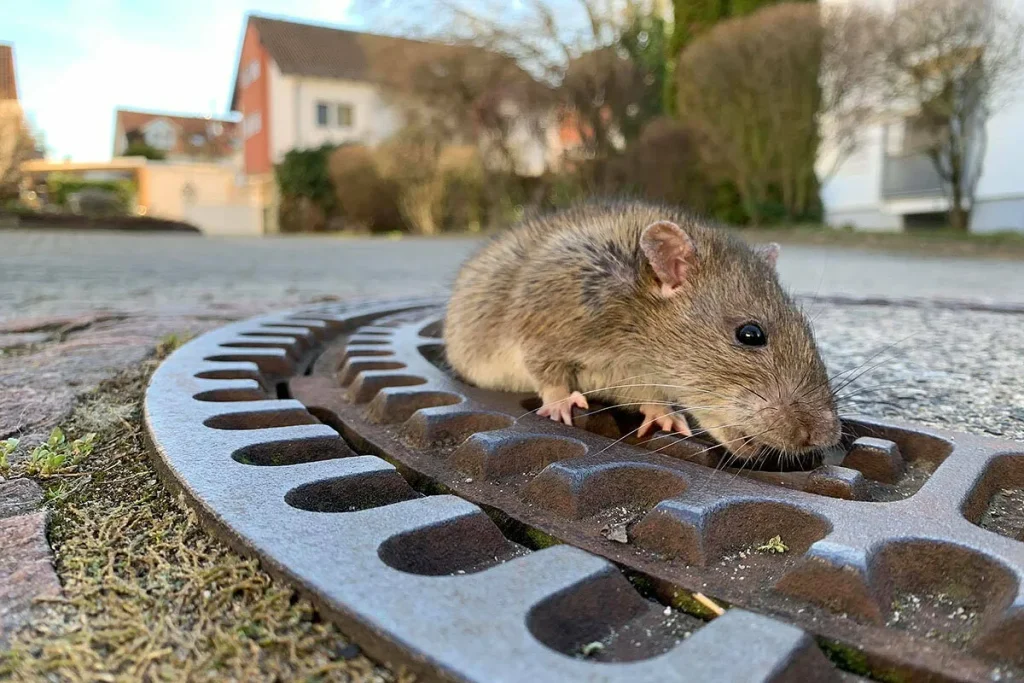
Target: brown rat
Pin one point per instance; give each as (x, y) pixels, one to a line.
(647, 307)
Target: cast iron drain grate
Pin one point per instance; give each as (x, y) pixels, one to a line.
(903, 557)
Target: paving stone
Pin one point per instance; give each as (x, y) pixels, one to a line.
(18, 497)
(26, 571)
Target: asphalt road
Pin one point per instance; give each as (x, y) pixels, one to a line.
(59, 272)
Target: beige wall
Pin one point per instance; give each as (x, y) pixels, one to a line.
(209, 195)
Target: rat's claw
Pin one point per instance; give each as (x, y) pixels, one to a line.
(667, 420)
(558, 405)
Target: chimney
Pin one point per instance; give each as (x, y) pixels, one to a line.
(8, 86)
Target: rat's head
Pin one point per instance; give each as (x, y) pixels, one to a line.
(742, 354)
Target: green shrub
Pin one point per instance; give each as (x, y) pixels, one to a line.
(61, 187)
(139, 148)
(366, 200)
(307, 194)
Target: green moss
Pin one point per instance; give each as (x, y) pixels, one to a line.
(540, 540)
(849, 658)
(643, 584)
(171, 342)
(684, 601)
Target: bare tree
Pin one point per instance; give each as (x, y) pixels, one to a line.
(571, 46)
(16, 146)
(762, 88)
(951, 64)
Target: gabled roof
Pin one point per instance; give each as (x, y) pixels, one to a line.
(321, 51)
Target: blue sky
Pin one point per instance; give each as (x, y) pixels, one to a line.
(77, 60)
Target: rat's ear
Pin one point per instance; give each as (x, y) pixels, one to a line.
(670, 252)
(769, 252)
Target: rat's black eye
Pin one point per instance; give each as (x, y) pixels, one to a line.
(751, 334)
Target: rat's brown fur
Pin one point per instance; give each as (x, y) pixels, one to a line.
(571, 300)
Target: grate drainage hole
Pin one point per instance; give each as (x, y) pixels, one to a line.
(293, 452)
(435, 354)
(351, 494)
(939, 590)
(369, 342)
(291, 417)
(367, 353)
(229, 374)
(607, 610)
(268, 363)
(434, 330)
(287, 347)
(465, 545)
(997, 501)
(229, 395)
(354, 366)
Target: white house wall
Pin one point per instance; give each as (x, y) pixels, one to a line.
(293, 113)
(1000, 194)
(282, 112)
(852, 194)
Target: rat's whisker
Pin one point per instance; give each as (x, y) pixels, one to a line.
(633, 431)
(866, 390)
(642, 403)
(873, 356)
(851, 380)
(709, 448)
(682, 437)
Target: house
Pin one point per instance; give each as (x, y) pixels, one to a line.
(888, 183)
(302, 86)
(178, 138)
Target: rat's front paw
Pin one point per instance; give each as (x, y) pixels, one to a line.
(660, 415)
(558, 404)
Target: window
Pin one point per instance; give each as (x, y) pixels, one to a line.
(251, 72)
(197, 140)
(252, 124)
(344, 115)
(920, 136)
(321, 114)
(160, 134)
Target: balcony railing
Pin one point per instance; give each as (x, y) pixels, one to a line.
(906, 177)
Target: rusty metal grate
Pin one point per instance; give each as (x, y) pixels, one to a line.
(902, 559)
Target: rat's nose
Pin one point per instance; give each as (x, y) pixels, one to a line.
(826, 432)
